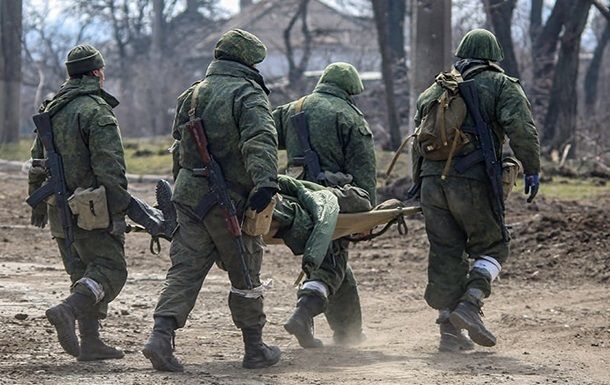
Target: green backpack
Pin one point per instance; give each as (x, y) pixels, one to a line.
(439, 134)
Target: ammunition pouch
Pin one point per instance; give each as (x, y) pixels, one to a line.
(511, 168)
(90, 207)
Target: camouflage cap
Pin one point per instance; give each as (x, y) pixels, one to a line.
(344, 76)
(83, 58)
(480, 44)
(241, 46)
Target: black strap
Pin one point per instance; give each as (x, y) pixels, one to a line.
(467, 161)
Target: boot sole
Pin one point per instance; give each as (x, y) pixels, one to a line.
(477, 334)
(70, 347)
(305, 339)
(99, 357)
(264, 364)
(159, 363)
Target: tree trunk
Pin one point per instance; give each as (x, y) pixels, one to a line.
(296, 70)
(396, 28)
(544, 47)
(10, 75)
(592, 76)
(157, 83)
(500, 13)
(381, 14)
(560, 122)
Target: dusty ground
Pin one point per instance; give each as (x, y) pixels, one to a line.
(550, 311)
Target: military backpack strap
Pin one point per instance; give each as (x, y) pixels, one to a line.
(298, 106)
(193, 108)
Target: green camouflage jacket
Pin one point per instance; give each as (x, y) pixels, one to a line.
(87, 137)
(338, 133)
(237, 120)
(505, 108)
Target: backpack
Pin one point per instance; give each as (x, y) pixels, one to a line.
(439, 133)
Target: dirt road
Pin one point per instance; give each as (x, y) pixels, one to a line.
(550, 311)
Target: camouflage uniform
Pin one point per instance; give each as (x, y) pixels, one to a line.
(460, 221)
(87, 136)
(232, 101)
(343, 141)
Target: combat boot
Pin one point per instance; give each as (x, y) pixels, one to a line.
(63, 317)
(92, 348)
(258, 354)
(467, 315)
(159, 348)
(452, 338)
(300, 324)
(163, 193)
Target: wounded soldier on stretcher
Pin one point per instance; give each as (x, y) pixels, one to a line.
(307, 216)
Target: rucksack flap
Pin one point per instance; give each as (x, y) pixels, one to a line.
(439, 134)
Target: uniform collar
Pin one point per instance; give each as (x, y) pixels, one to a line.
(331, 89)
(236, 69)
(73, 88)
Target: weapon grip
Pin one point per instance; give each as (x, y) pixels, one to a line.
(40, 194)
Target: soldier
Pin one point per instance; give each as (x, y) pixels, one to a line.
(232, 102)
(342, 142)
(87, 136)
(457, 201)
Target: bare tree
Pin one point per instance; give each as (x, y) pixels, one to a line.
(383, 19)
(591, 82)
(297, 69)
(545, 39)
(500, 14)
(10, 69)
(560, 122)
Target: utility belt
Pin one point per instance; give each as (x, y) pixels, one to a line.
(511, 168)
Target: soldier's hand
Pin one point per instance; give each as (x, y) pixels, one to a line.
(118, 228)
(39, 215)
(532, 184)
(261, 198)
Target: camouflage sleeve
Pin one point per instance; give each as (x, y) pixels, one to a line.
(359, 153)
(107, 159)
(258, 137)
(278, 117)
(514, 115)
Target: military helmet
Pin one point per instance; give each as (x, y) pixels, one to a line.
(480, 44)
(242, 46)
(344, 76)
(83, 58)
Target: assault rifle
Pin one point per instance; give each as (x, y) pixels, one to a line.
(218, 194)
(310, 158)
(493, 167)
(56, 184)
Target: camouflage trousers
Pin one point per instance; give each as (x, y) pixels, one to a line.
(343, 311)
(101, 257)
(460, 225)
(195, 247)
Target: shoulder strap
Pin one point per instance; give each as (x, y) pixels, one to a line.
(194, 96)
(298, 107)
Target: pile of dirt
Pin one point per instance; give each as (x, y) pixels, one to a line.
(560, 240)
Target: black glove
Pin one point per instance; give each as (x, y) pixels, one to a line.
(532, 184)
(261, 198)
(39, 215)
